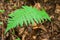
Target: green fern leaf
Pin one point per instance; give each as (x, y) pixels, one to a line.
(46, 17)
(26, 15)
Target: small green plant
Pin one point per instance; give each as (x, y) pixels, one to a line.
(26, 15)
(2, 11)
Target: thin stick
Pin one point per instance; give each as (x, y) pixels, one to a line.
(2, 29)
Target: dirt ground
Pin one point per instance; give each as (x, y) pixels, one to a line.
(47, 31)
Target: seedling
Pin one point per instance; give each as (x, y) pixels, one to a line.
(26, 15)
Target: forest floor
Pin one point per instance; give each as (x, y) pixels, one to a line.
(47, 31)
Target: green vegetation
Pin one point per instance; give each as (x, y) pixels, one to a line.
(1, 23)
(26, 15)
(18, 38)
(2, 11)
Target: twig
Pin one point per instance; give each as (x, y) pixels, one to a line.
(2, 30)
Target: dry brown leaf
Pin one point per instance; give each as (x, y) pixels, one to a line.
(37, 5)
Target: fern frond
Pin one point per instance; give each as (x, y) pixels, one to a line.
(26, 15)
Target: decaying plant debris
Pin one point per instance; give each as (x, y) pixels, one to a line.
(50, 31)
